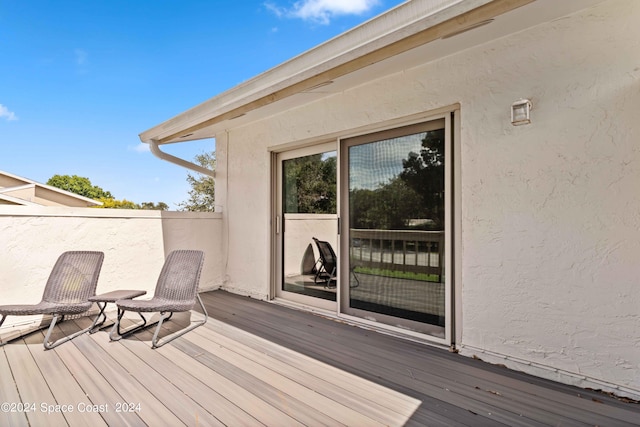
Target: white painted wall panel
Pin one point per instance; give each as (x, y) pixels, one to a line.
(550, 211)
(300, 230)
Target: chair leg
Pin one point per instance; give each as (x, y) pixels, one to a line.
(1, 322)
(95, 327)
(116, 334)
(353, 272)
(332, 277)
(49, 345)
(155, 343)
(317, 267)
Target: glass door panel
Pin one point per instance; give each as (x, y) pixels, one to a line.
(308, 210)
(396, 227)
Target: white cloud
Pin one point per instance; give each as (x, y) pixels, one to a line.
(321, 11)
(6, 114)
(278, 11)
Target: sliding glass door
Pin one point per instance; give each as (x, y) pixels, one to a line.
(373, 241)
(307, 222)
(395, 241)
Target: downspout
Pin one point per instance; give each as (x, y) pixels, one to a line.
(155, 149)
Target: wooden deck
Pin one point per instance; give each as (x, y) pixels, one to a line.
(256, 363)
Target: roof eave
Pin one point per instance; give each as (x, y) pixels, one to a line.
(409, 25)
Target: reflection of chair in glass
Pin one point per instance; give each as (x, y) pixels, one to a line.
(176, 291)
(72, 281)
(327, 265)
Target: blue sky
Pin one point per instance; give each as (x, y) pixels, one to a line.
(80, 79)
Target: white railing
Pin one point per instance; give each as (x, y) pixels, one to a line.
(399, 250)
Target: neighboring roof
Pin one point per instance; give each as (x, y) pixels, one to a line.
(10, 200)
(16, 190)
(408, 35)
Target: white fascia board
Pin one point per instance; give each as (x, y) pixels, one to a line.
(50, 188)
(68, 193)
(17, 201)
(18, 178)
(17, 188)
(29, 183)
(394, 25)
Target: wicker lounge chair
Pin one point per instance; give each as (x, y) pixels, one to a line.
(72, 281)
(176, 291)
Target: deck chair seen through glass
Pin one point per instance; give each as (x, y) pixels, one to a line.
(72, 281)
(327, 265)
(176, 291)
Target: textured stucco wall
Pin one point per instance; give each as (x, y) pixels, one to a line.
(245, 208)
(300, 229)
(550, 215)
(135, 244)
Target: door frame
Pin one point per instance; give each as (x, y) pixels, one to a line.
(277, 252)
(453, 295)
(451, 119)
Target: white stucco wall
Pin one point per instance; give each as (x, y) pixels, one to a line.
(135, 244)
(551, 221)
(300, 230)
(550, 211)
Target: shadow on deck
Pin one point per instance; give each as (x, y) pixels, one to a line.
(256, 363)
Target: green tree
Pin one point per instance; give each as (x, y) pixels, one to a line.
(160, 206)
(424, 173)
(78, 185)
(202, 195)
(310, 184)
(416, 193)
(83, 187)
(388, 207)
(111, 203)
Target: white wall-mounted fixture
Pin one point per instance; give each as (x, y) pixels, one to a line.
(520, 112)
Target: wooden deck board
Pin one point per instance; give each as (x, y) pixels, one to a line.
(477, 379)
(468, 388)
(307, 414)
(31, 385)
(179, 370)
(459, 395)
(291, 390)
(342, 395)
(363, 352)
(152, 411)
(96, 385)
(140, 365)
(68, 394)
(384, 405)
(307, 332)
(231, 403)
(9, 393)
(261, 364)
